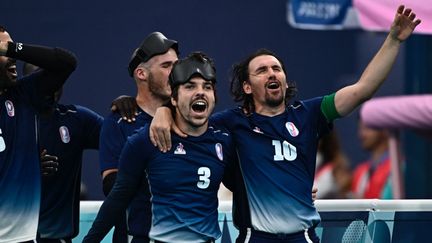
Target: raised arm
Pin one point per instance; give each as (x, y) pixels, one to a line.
(56, 64)
(348, 98)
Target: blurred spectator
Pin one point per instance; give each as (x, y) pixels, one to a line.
(332, 176)
(397, 113)
(371, 179)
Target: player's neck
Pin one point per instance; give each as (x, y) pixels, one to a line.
(149, 103)
(194, 131)
(269, 111)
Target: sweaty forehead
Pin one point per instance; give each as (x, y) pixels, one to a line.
(264, 60)
(4, 36)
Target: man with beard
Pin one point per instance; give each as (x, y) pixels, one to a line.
(150, 67)
(184, 182)
(19, 155)
(277, 143)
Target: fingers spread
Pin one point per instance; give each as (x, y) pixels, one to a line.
(407, 12)
(412, 16)
(400, 9)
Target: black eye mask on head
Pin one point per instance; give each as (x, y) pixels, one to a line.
(154, 44)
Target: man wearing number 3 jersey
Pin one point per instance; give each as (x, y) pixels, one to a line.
(277, 143)
(184, 181)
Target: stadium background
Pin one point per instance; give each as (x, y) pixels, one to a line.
(103, 35)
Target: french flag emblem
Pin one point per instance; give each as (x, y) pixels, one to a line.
(219, 151)
(10, 108)
(64, 134)
(292, 129)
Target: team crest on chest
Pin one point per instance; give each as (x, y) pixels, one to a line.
(292, 129)
(64, 134)
(10, 108)
(180, 149)
(219, 151)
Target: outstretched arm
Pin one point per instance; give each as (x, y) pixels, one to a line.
(348, 98)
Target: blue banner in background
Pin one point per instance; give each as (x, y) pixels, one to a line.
(321, 14)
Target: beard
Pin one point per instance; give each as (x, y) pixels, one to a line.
(274, 101)
(157, 88)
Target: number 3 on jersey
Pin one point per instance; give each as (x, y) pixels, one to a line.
(284, 150)
(2, 142)
(204, 177)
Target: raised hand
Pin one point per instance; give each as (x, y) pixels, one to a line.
(404, 23)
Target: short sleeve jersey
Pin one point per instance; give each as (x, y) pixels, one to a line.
(277, 156)
(66, 134)
(114, 134)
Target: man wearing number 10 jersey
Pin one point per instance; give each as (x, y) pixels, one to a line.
(277, 142)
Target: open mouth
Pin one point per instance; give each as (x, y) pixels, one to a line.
(273, 85)
(12, 70)
(199, 106)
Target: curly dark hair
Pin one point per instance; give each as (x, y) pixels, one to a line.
(2, 29)
(240, 73)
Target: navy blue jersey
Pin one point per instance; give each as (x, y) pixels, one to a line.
(184, 183)
(65, 134)
(19, 165)
(114, 134)
(274, 177)
(19, 155)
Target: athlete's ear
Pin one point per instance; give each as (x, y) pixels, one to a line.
(173, 102)
(247, 87)
(141, 73)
